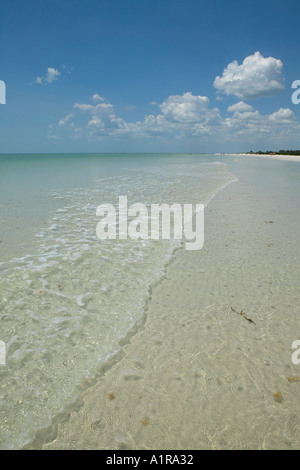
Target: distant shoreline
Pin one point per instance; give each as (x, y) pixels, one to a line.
(294, 158)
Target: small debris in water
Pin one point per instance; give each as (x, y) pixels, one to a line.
(294, 378)
(145, 422)
(243, 315)
(278, 397)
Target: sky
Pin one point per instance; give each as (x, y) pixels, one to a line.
(149, 75)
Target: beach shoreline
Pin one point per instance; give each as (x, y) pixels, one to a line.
(292, 158)
(196, 375)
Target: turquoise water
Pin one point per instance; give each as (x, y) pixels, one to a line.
(68, 301)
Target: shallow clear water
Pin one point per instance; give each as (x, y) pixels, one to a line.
(199, 374)
(67, 299)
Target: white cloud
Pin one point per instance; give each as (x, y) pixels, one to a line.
(84, 107)
(50, 76)
(97, 97)
(182, 116)
(64, 120)
(283, 116)
(184, 108)
(255, 77)
(251, 126)
(240, 107)
(95, 108)
(104, 107)
(103, 119)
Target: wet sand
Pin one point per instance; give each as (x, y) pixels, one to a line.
(291, 158)
(197, 375)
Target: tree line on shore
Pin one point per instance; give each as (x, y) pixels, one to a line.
(280, 152)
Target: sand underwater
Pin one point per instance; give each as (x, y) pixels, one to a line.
(196, 374)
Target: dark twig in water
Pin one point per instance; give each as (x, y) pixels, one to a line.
(243, 315)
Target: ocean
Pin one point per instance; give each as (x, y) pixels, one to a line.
(69, 301)
(214, 364)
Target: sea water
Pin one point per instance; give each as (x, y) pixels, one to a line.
(69, 301)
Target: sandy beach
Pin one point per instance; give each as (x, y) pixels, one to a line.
(196, 374)
(290, 158)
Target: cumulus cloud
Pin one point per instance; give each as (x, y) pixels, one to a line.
(250, 125)
(104, 119)
(94, 108)
(50, 76)
(255, 77)
(97, 97)
(179, 117)
(283, 116)
(84, 107)
(184, 108)
(64, 120)
(241, 107)
(184, 114)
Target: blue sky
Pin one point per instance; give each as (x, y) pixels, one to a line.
(149, 75)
